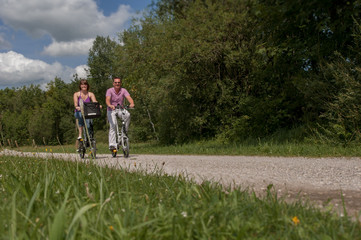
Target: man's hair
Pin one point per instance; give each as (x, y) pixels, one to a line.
(84, 81)
(117, 78)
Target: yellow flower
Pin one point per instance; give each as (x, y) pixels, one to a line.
(111, 228)
(295, 220)
(46, 149)
(51, 150)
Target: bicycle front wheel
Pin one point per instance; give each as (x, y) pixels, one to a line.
(93, 148)
(114, 153)
(81, 148)
(125, 145)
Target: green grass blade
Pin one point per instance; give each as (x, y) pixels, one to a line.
(78, 215)
(58, 226)
(13, 216)
(31, 203)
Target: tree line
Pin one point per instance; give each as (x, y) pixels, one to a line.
(228, 70)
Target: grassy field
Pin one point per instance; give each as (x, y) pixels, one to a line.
(54, 199)
(216, 148)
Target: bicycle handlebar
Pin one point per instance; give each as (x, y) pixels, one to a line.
(123, 107)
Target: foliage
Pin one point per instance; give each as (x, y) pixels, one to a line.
(229, 69)
(340, 79)
(31, 113)
(103, 65)
(205, 69)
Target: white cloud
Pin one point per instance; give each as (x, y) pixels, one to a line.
(70, 23)
(63, 20)
(74, 48)
(82, 71)
(17, 70)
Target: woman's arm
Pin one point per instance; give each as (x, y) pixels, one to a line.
(92, 97)
(75, 98)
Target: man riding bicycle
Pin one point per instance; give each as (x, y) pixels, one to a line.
(113, 97)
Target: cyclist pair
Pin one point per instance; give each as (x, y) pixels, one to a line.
(114, 100)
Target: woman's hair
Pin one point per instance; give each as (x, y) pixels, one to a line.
(84, 81)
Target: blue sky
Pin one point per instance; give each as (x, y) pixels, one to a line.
(44, 39)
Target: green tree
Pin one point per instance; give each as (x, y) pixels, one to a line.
(188, 68)
(230, 69)
(58, 108)
(16, 110)
(103, 63)
(341, 119)
(299, 39)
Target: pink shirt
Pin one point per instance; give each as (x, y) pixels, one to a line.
(116, 98)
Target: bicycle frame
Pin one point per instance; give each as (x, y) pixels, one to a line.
(83, 144)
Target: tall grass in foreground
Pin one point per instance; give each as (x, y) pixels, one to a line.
(55, 199)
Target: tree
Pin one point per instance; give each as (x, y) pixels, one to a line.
(58, 107)
(103, 63)
(183, 67)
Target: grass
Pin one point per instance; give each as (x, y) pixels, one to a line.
(268, 148)
(55, 199)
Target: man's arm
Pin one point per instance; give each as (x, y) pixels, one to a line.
(130, 100)
(107, 101)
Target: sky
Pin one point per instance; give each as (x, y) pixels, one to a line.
(44, 39)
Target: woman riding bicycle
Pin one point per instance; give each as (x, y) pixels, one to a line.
(83, 96)
(113, 97)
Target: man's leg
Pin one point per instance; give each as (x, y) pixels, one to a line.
(126, 118)
(112, 129)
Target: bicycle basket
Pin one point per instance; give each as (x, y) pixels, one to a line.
(91, 110)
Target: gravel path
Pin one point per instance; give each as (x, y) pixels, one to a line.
(323, 181)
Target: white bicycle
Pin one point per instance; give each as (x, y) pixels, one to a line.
(122, 138)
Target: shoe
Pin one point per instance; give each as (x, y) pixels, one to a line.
(112, 148)
(78, 138)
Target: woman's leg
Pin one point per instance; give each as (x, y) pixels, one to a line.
(89, 125)
(80, 123)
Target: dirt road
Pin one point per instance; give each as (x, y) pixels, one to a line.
(323, 181)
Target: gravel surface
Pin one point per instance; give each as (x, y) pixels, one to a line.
(331, 182)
